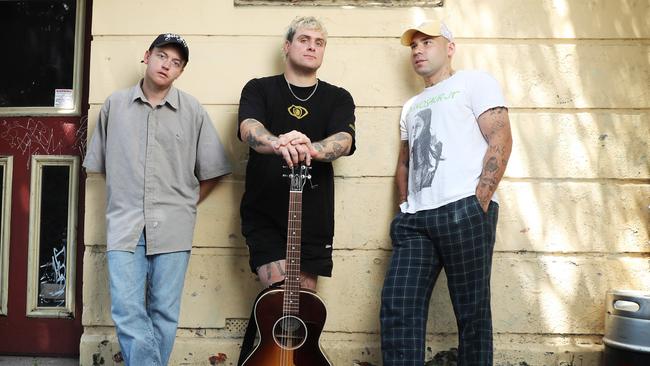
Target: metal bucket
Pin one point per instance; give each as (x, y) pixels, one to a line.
(627, 328)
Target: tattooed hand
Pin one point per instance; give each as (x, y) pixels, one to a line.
(295, 147)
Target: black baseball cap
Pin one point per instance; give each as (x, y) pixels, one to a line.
(175, 39)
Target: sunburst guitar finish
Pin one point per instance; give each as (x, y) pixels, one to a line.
(290, 319)
(289, 339)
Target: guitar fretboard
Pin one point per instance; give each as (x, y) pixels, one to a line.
(291, 302)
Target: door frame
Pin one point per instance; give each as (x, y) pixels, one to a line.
(5, 230)
(63, 332)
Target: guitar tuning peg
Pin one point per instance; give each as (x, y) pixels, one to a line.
(311, 185)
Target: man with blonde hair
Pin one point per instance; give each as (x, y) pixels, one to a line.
(289, 119)
(456, 143)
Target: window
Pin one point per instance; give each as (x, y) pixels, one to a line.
(42, 73)
(52, 236)
(5, 217)
(359, 3)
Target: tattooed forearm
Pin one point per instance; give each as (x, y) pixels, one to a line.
(499, 117)
(318, 146)
(252, 140)
(492, 165)
(495, 127)
(256, 135)
(333, 147)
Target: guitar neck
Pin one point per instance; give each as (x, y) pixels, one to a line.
(292, 267)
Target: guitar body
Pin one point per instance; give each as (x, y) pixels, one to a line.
(288, 340)
(290, 319)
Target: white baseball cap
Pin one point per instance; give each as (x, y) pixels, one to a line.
(431, 28)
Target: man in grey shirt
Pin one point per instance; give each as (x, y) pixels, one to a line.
(161, 156)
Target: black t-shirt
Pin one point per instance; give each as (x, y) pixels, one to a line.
(264, 207)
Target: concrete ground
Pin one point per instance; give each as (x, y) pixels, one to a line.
(37, 361)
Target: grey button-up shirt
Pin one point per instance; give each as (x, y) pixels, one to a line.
(153, 159)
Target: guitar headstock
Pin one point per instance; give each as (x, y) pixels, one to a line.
(298, 176)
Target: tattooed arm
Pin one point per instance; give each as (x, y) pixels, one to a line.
(293, 146)
(332, 147)
(402, 172)
(495, 127)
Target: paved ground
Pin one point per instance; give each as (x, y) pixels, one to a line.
(37, 361)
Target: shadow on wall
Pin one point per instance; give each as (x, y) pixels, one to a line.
(574, 201)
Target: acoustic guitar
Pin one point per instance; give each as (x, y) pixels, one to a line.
(290, 319)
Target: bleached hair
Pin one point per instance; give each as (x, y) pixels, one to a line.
(307, 22)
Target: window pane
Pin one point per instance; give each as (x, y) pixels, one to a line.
(40, 35)
(53, 235)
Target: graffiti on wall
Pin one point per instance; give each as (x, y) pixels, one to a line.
(33, 137)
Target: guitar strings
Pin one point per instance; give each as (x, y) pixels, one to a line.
(291, 295)
(287, 340)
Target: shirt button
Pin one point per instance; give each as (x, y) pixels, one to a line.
(155, 224)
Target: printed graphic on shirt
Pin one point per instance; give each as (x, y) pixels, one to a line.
(298, 111)
(426, 152)
(434, 99)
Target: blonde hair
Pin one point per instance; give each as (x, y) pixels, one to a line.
(307, 22)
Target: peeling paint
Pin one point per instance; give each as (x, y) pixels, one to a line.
(98, 359)
(217, 359)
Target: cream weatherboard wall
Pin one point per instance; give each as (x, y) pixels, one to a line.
(574, 202)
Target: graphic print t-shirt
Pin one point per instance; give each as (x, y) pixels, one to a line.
(445, 141)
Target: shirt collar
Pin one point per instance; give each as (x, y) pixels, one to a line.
(172, 97)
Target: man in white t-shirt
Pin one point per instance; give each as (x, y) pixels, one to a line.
(456, 142)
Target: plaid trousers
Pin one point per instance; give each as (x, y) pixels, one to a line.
(458, 237)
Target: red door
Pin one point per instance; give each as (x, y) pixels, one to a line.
(43, 104)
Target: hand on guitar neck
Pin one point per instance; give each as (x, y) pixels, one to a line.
(289, 319)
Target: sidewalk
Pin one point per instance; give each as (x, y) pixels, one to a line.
(37, 361)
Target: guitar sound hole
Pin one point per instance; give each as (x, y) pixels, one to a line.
(289, 332)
